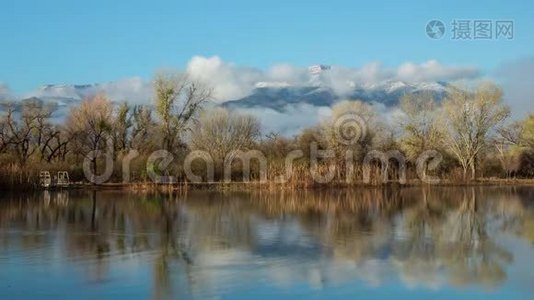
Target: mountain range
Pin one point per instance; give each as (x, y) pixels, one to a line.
(271, 95)
(278, 97)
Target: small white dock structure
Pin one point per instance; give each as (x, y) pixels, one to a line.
(61, 180)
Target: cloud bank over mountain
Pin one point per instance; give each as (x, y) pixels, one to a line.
(134, 90)
(286, 97)
(230, 81)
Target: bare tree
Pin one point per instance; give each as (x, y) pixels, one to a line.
(354, 125)
(122, 124)
(520, 133)
(24, 128)
(471, 116)
(527, 132)
(420, 124)
(55, 144)
(514, 143)
(5, 134)
(177, 100)
(352, 132)
(219, 132)
(143, 129)
(91, 125)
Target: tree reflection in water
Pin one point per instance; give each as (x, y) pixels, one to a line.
(205, 242)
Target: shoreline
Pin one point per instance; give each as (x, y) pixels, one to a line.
(256, 185)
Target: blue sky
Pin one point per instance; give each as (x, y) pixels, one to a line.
(66, 41)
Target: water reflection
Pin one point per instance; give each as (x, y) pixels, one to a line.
(206, 244)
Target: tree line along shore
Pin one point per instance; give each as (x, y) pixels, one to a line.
(469, 133)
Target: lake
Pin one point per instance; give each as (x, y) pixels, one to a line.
(383, 243)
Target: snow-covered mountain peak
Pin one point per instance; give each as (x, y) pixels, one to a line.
(318, 69)
(319, 91)
(63, 91)
(431, 86)
(392, 86)
(272, 84)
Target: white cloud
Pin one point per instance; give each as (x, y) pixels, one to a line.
(233, 82)
(287, 73)
(229, 82)
(134, 90)
(294, 118)
(290, 121)
(432, 70)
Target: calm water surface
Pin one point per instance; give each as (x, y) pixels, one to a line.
(413, 243)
